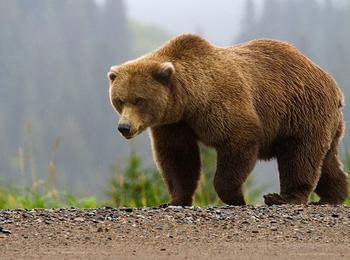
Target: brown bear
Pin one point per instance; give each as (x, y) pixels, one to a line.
(259, 100)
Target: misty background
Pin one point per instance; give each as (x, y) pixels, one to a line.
(55, 54)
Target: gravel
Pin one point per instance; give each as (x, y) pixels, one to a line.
(178, 232)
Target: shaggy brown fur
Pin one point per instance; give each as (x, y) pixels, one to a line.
(259, 100)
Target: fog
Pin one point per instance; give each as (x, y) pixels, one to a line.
(55, 55)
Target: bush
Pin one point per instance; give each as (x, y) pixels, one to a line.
(136, 186)
(13, 197)
(39, 193)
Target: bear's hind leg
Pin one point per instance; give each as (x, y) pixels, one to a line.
(177, 156)
(299, 165)
(332, 186)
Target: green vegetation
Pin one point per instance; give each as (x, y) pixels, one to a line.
(39, 193)
(135, 186)
(14, 197)
(130, 185)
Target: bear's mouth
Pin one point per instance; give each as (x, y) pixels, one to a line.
(128, 136)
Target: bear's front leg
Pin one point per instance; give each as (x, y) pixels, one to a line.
(177, 157)
(234, 164)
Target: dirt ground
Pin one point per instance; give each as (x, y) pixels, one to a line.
(278, 232)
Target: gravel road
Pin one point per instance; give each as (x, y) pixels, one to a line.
(277, 232)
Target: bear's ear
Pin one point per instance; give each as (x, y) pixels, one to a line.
(164, 72)
(111, 76)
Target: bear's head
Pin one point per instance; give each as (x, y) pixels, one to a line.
(141, 92)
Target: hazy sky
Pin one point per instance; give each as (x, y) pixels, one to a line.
(219, 20)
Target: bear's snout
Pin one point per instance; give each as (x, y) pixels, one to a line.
(124, 129)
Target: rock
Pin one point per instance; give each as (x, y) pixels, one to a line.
(80, 219)
(5, 231)
(220, 217)
(174, 208)
(100, 229)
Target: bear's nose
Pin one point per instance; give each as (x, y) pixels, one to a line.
(124, 129)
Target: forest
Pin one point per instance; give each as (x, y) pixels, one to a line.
(55, 116)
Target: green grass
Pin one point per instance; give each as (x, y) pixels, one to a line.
(136, 186)
(130, 185)
(14, 197)
(38, 193)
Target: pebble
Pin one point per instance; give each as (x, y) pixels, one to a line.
(5, 231)
(80, 219)
(220, 217)
(292, 222)
(100, 229)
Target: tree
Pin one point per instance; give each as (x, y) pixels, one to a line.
(54, 57)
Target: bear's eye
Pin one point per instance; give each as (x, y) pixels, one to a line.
(118, 103)
(138, 101)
